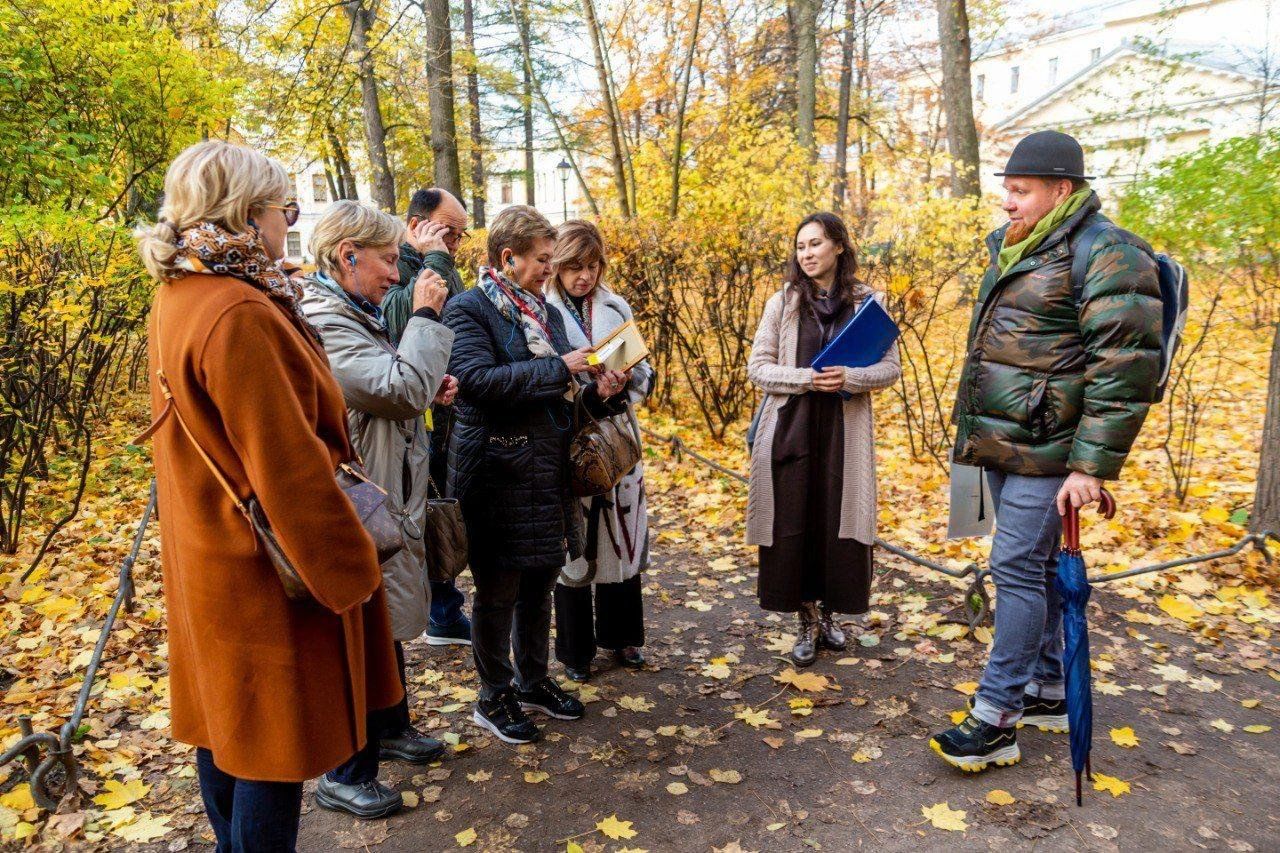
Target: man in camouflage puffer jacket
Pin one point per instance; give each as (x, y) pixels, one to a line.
(1055, 387)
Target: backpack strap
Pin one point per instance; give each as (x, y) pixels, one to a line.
(1081, 252)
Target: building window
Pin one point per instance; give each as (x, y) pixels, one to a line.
(319, 188)
(1095, 55)
(1014, 74)
(506, 190)
(293, 245)
(980, 87)
(1053, 71)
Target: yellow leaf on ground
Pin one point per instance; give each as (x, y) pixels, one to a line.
(943, 816)
(983, 634)
(118, 795)
(1215, 515)
(810, 682)
(1124, 737)
(19, 799)
(968, 688)
(639, 704)
(466, 838)
(756, 719)
(677, 789)
(1000, 798)
(1116, 787)
(616, 829)
(805, 734)
(1257, 730)
(1180, 607)
(409, 798)
(146, 828)
(728, 777)
(1249, 703)
(1223, 726)
(957, 717)
(533, 777)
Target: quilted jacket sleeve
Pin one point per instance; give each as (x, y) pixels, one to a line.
(1120, 322)
(482, 377)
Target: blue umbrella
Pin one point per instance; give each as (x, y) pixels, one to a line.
(1073, 587)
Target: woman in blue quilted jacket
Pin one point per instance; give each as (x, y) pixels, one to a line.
(519, 379)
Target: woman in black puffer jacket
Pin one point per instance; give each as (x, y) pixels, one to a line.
(508, 465)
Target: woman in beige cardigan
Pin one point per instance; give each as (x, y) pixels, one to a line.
(814, 450)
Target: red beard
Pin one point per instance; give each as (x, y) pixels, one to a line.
(1018, 231)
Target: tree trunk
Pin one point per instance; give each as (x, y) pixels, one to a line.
(384, 187)
(522, 24)
(842, 107)
(957, 97)
(678, 153)
(478, 189)
(526, 48)
(611, 117)
(444, 132)
(342, 165)
(622, 129)
(806, 72)
(1266, 503)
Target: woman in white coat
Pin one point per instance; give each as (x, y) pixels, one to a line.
(617, 523)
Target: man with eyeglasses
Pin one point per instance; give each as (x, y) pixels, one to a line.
(437, 223)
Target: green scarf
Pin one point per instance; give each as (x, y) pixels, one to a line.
(1010, 255)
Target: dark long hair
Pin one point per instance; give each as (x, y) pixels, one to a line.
(846, 287)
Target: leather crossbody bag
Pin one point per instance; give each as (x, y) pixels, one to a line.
(602, 451)
(445, 537)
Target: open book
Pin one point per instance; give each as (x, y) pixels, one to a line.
(623, 349)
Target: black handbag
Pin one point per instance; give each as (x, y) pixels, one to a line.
(602, 451)
(444, 537)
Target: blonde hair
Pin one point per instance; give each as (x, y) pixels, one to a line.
(212, 181)
(516, 228)
(350, 220)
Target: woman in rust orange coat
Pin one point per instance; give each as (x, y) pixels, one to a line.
(271, 691)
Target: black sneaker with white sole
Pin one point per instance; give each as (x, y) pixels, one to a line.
(547, 697)
(503, 716)
(1047, 715)
(973, 746)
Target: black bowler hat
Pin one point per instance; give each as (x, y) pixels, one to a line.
(1047, 154)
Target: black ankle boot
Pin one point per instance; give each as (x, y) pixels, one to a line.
(806, 648)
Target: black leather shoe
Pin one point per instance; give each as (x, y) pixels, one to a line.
(367, 800)
(547, 697)
(579, 675)
(630, 657)
(805, 650)
(411, 746)
(503, 716)
(830, 634)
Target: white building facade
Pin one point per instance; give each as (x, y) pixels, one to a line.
(558, 195)
(1135, 81)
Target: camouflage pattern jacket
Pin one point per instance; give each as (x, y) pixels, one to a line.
(1052, 384)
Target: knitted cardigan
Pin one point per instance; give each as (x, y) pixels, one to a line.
(773, 370)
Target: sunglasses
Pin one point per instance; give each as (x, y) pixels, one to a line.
(290, 209)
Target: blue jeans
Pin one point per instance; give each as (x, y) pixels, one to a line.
(446, 603)
(1026, 657)
(249, 817)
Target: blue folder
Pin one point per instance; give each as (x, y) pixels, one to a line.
(862, 342)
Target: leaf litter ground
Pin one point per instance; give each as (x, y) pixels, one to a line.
(720, 743)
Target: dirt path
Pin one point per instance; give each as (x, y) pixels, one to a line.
(854, 769)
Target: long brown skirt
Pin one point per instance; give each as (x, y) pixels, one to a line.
(808, 561)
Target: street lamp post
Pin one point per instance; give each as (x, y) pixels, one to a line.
(564, 166)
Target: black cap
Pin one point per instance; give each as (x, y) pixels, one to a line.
(1047, 154)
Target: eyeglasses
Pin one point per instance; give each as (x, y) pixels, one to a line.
(290, 209)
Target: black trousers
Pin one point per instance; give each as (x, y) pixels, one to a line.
(511, 617)
(384, 722)
(249, 817)
(618, 620)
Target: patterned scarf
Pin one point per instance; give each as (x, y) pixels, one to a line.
(510, 298)
(213, 250)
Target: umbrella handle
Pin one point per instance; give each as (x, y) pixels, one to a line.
(1071, 521)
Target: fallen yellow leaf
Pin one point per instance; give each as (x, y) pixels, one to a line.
(118, 795)
(1000, 798)
(810, 682)
(1116, 787)
(1257, 730)
(616, 829)
(943, 816)
(533, 777)
(1124, 737)
(1180, 607)
(466, 838)
(728, 777)
(968, 688)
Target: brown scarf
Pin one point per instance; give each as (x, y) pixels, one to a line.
(211, 249)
